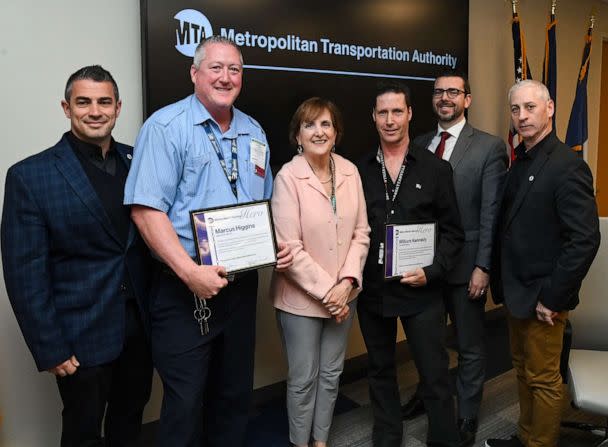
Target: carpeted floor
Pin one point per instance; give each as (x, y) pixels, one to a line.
(353, 420)
(497, 419)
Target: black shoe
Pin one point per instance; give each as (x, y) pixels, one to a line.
(468, 429)
(513, 442)
(412, 408)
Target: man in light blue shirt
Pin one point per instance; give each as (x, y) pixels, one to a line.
(197, 153)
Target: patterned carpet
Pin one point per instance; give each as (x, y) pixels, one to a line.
(352, 424)
(497, 419)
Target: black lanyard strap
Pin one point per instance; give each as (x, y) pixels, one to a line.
(390, 202)
(234, 171)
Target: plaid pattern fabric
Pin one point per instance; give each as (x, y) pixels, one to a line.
(64, 265)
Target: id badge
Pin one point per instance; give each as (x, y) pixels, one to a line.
(257, 156)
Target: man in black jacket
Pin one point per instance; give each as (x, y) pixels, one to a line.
(77, 271)
(548, 235)
(404, 183)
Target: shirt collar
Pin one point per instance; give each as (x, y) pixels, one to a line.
(454, 130)
(521, 153)
(200, 115)
(410, 156)
(90, 150)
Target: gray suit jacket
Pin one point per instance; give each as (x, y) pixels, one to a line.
(479, 161)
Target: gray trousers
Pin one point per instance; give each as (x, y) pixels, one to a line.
(468, 318)
(315, 349)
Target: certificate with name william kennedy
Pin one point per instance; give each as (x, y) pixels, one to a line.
(238, 237)
(408, 246)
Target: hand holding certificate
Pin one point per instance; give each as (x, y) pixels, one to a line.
(408, 247)
(238, 237)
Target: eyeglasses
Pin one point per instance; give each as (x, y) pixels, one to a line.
(451, 92)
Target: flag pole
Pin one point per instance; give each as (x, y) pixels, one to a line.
(550, 59)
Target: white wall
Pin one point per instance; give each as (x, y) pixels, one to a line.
(41, 44)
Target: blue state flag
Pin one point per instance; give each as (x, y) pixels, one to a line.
(577, 135)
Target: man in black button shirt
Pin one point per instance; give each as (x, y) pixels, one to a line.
(548, 235)
(418, 188)
(76, 270)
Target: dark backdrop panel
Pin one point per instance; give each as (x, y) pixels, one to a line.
(439, 27)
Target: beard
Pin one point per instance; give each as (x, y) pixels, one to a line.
(450, 116)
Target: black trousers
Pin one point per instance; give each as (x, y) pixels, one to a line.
(425, 334)
(119, 389)
(207, 379)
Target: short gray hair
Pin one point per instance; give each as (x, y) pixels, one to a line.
(541, 88)
(199, 53)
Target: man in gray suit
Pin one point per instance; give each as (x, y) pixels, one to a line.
(479, 161)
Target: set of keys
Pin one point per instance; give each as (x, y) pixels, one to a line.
(202, 313)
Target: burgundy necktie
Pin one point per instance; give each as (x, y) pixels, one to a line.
(441, 146)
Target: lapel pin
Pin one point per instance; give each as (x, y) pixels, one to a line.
(531, 178)
(129, 156)
(418, 186)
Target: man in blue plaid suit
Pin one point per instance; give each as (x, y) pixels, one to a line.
(76, 268)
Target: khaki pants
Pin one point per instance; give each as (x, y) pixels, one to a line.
(535, 349)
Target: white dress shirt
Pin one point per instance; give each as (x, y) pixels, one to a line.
(454, 131)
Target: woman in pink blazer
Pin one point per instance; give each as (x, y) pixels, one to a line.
(319, 210)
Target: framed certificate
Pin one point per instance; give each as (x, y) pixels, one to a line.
(238, 237)
(408, 246)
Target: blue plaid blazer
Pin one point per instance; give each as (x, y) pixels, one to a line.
(64, 264)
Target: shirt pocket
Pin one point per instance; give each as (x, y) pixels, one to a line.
(196, 176)
(256, 183)
(252, 183)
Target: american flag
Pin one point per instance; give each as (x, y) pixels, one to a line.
(522, 70)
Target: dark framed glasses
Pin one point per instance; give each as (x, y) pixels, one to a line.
(451, 92)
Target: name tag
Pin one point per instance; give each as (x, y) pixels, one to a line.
(257, 156)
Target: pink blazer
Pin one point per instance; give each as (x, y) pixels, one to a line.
(326, 247)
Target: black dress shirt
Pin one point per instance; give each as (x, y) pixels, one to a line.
(108, 177)
(93, 154)
(426, 195)
(518, 173)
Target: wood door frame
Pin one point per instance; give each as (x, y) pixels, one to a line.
(601, 172)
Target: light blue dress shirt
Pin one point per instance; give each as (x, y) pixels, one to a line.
(176, 170)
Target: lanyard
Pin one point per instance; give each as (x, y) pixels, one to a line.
(332, 169)
(390, 202)
(234, 172)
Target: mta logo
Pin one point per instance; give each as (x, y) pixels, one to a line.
(192, 27)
